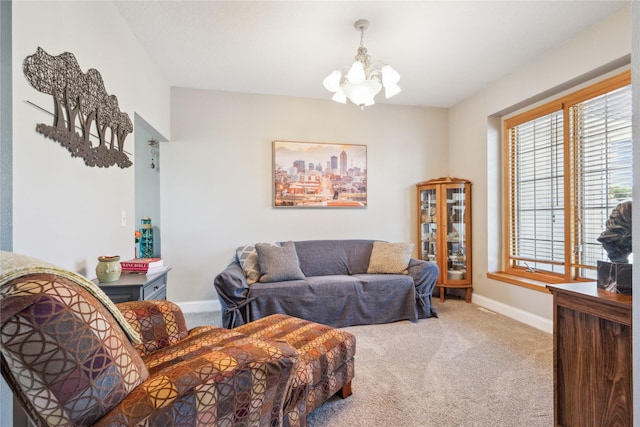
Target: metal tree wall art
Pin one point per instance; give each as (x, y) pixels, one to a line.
(80, 101)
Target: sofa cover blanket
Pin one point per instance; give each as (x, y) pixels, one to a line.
(336, 291)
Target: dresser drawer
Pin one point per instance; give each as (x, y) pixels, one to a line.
(122, 293)
(156, 288)
(136, 287)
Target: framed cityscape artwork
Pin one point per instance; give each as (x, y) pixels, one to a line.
(319, 175)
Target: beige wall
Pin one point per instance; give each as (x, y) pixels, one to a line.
(65, 212)
(474, 150)
(216, 183)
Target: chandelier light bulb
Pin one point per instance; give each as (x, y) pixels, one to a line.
(356, 73)
(339, 96)
(390, 78)
(362, 94)
(389, 74)
(332, 81)
(362, 82)
(389, 91)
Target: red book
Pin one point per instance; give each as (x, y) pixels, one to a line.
(141, 264)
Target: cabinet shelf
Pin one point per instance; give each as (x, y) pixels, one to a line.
(444, 231)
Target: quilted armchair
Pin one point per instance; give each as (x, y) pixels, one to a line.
(73, 358)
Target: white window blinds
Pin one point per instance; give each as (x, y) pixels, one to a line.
(601, 134)
(537, 158)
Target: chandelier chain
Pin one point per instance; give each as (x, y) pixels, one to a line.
(363, 56)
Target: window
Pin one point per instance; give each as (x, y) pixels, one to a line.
(568, 164)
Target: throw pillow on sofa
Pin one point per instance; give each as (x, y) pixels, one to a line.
(248, 259)
(278, 263)
(390, 258)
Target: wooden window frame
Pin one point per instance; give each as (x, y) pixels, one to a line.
(520, 275)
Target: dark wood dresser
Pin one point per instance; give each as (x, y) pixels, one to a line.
(592, 356)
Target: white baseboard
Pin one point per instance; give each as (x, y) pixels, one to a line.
(534, 320)
(198, 306)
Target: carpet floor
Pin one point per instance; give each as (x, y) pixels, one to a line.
(468, 367)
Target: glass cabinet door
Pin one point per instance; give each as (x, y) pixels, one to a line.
(456, 234)
(428, 224)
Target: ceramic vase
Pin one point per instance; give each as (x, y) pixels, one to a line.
(108, 268)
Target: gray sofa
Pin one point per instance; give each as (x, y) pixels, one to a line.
(333, 288)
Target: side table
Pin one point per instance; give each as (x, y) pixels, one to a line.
(136, 286)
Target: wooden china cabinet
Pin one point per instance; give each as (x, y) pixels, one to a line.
(444, 231)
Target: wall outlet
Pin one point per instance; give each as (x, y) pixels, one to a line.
(123, 218)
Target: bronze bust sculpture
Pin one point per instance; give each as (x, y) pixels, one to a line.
(616, 238)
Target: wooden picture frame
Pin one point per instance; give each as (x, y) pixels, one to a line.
(319, 175)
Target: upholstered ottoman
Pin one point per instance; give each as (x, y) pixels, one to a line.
(326, 356)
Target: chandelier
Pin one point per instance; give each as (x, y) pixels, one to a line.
(363, 80)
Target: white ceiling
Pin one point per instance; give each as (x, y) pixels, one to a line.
(444, 51)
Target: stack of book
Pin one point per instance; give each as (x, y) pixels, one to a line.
(143, 265)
